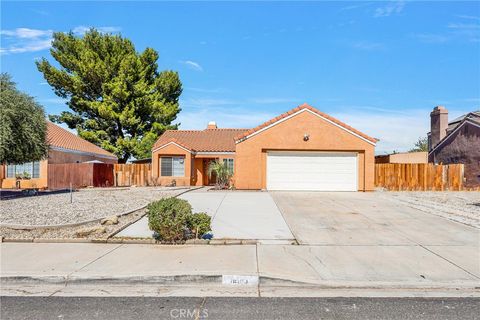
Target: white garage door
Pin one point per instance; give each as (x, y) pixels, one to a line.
(317, 171)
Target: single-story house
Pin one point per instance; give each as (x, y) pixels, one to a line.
(403, 157)
(457, 141)
(64, 147)
(302, 149)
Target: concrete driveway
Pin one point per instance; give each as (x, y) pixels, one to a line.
(235, 215)
(367, 236)
(356, 218)
(240, 215)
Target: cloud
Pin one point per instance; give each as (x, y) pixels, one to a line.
(468, 17)
(392, 7)
(389, 127)
(206, 102)
(25, 40)
(273, 100)
(81, 30)
(464, 26)
(52, 101)
(456, 31)
(368, 46)
(225, 117)
(431, 38)
(356, 6)
(192, 65)
(203, 90)
(26, 33)
(22, 40)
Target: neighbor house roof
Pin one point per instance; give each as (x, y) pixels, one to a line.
(57, 137)
(304, 106)
(471, 117)
(208, 140)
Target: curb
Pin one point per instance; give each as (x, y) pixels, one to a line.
(267, 281)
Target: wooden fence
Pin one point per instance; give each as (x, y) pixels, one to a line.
(79, 175)
(138, 174)
(421, 176)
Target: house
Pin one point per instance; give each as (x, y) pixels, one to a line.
(64, 147)
(302, 149)
(457, 141)
(403, 157)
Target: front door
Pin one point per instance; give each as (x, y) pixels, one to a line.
(208, 181)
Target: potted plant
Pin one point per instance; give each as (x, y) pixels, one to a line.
(222, 173)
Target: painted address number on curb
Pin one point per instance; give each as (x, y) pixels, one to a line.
(239, 280)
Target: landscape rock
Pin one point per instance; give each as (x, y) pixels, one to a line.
(109, 220)
(91, 230)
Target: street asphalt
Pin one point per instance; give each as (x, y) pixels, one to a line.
(237, 308)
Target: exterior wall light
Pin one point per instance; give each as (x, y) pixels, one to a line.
(306, 137)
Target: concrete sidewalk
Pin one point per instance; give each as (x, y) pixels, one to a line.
(283, 270)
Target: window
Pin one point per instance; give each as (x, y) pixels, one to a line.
(31, 168)
(229, 163)
(172, 166)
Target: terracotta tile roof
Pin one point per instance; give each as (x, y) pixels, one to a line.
(208, 140)
(61, 138)
(301, 107)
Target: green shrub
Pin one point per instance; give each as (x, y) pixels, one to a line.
(168, 217)
(199, 223)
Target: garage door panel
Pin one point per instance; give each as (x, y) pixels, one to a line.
(321, 171)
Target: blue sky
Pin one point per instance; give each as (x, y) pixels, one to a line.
(379, 66)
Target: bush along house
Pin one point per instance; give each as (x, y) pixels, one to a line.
(302, 149)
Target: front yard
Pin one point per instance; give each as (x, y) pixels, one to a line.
(88, 204)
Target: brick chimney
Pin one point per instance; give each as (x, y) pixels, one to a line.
(438, 124)
(212, 125)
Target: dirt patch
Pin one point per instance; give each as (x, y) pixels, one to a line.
(459, 206)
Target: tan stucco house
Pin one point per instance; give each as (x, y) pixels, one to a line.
(64, 147)
(302, 149)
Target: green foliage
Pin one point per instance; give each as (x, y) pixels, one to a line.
(23, 126)
(420, 145)
(168, 217)
(119, 100)
(222, 173)
(199, 223)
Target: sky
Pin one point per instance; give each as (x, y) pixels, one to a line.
(380, 67)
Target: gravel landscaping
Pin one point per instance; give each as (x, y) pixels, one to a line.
(459, 206)
(88, 204)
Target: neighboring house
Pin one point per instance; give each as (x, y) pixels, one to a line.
(64, 147)
(302, 149)
(457, 141)
(403, 157)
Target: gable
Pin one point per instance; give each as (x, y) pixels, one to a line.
(307, 119)
(463, 142)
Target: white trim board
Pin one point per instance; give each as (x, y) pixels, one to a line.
(213, 153)
(169, 143)
(296, 113)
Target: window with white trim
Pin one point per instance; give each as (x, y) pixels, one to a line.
(172, 166)
(229, 163)
(31, 169)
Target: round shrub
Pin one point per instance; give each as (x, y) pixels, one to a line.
(168, 217)
(199, 223)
